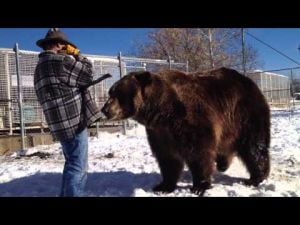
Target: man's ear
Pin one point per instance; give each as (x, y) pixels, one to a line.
(144, 77)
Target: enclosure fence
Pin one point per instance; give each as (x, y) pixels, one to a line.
(278, 86)
(33, 117)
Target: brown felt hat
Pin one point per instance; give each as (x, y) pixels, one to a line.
(54, 34)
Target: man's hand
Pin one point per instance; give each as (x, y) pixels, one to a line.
(70, 50)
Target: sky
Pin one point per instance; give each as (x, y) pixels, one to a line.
(110, 41)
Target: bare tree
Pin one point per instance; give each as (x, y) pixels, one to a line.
(204, 48)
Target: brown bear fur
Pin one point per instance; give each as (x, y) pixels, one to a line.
(197, 119)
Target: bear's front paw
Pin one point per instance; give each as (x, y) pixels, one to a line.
(252, 182)
(201, 188)
(165, 188)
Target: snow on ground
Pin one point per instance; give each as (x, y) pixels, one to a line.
(123, 166)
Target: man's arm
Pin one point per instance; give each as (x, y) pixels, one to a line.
(76, 73)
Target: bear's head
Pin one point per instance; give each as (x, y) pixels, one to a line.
(145, 97)
(128, 95)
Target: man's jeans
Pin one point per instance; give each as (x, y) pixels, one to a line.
(75, 170)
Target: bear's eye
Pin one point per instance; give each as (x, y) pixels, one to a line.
(111, 100)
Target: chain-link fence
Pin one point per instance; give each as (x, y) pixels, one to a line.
(33, 117)
(278, 86)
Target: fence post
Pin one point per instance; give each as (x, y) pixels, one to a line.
(187, 66)
(97, 123)
(210, 49)
(272, 87)
(292, 88)
(43, 122)
(243, 51)
(121, 75)
(20, 99)
(145, 66)
(8, 90)
(169, 61)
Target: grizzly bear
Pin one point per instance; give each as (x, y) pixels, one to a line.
(200, 119)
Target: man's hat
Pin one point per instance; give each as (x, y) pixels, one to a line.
(54, 34)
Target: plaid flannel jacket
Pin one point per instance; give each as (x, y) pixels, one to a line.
(59, 82)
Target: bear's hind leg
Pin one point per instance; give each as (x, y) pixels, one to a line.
(257, 161)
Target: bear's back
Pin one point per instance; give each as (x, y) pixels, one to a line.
(215, 91)
(217, 82)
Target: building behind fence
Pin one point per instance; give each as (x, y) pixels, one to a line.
(275, 87)
(32, 111)
(278, 86)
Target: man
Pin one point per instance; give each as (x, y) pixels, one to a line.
(60, 82)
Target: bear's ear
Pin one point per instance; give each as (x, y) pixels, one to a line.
(144, 77)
